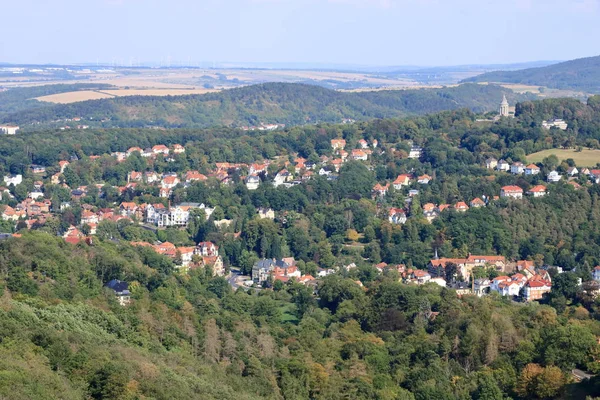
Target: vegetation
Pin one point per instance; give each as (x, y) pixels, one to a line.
(365, 334)
(290, 104)
(582, 74)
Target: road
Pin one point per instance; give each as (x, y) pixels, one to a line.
(236, 280)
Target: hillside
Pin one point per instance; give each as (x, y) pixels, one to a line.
(290, 104)
(582, 74)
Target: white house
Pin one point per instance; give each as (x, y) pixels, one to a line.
(554, 177)
(397, 216)
(572, 171)
(537, 191)
(415, 152)
(252, 182)
(502, 166)
(532, 169)
(13, 179)
(511, 191)
(596, 274)
(555, 123)
(517, 168)
(8, 129)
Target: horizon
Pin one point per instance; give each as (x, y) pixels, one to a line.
(358, 33)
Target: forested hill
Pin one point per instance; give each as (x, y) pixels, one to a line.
(582, 74)
(282, 103)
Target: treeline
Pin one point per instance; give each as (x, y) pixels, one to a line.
(283, 103)
(582, 74)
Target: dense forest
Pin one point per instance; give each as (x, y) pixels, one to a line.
(582, 74)
(360, 334)
(274, 103)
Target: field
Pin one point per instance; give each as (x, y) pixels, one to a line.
(584, 158)
(72, 97)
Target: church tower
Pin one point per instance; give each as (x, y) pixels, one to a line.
(504, 107)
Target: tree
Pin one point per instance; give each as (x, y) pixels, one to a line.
(355, 181)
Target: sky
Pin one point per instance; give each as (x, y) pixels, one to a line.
(351, 32)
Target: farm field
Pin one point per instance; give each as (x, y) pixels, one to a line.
(584, 158)
(72, 97)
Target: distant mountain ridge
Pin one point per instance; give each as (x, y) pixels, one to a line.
(582, 74)
(284, 103)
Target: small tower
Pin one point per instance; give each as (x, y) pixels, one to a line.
(504, 107)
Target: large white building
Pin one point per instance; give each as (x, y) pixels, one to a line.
(8, 129)
(175, 216)
(13, 179)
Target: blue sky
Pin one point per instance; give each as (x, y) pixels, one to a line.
(359, 32)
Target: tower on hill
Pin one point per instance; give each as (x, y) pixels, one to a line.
(504, 107)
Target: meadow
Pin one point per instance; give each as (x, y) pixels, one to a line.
(583, 158)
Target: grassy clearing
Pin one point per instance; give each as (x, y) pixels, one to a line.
(584, 158)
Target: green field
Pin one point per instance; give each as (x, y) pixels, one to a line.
(584, 158)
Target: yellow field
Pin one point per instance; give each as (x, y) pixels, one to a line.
(584, 158)
(72, 97)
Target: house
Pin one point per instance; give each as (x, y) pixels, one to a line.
(461, 206)
(8, 129)
(215, 263)
(160, 149)
(535, 289)
(266, 213)
(554, 177)
(194, 176)
(517, 168)
(359, 155)
(596, 273)
(396, 216)
(491, 163)
(424, 179)
(572, 171)
(505, 287)
(415, 152)
(555, 123)
(151, 177)
(13, 179)
(503, 166)
(127, 209)
(537, 191)
(9, 214)
(134, 176)
(132, 150)
(252, 182)
(169, 182)
(88, 217)
(401, 180)
(262, 269)
(420, 277)
(207, 249)
(380, 190)
(337, 164)
(63, 164)
(512, 191)
(121, 290)
(338, 144)
(477, 202)
(481, 287)
(37, 169)
(282, 177)
(178, 149)
(532, 169)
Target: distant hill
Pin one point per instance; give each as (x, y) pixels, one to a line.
(286, 103)
(582, 74)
